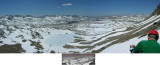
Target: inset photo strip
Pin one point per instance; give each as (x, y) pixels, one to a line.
(78, 59)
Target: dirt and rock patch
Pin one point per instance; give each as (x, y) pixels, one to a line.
(16, 48)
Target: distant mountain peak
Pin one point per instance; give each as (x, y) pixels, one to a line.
(157, 10)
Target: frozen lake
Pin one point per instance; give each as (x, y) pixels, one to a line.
(60, 39)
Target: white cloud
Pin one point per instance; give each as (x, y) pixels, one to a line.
(68, 4)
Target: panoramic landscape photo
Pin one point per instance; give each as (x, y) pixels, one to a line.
(75, 26)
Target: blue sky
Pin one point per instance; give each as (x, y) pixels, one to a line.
(77, 7)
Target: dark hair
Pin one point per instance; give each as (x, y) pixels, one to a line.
(153, 36)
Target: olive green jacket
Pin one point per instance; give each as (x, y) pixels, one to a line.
(147, 46)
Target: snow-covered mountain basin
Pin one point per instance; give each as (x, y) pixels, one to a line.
(64, 34)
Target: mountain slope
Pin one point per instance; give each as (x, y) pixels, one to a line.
(138, 33)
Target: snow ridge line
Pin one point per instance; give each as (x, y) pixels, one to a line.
(150, 23)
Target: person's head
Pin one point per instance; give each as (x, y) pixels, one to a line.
(153, 34)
